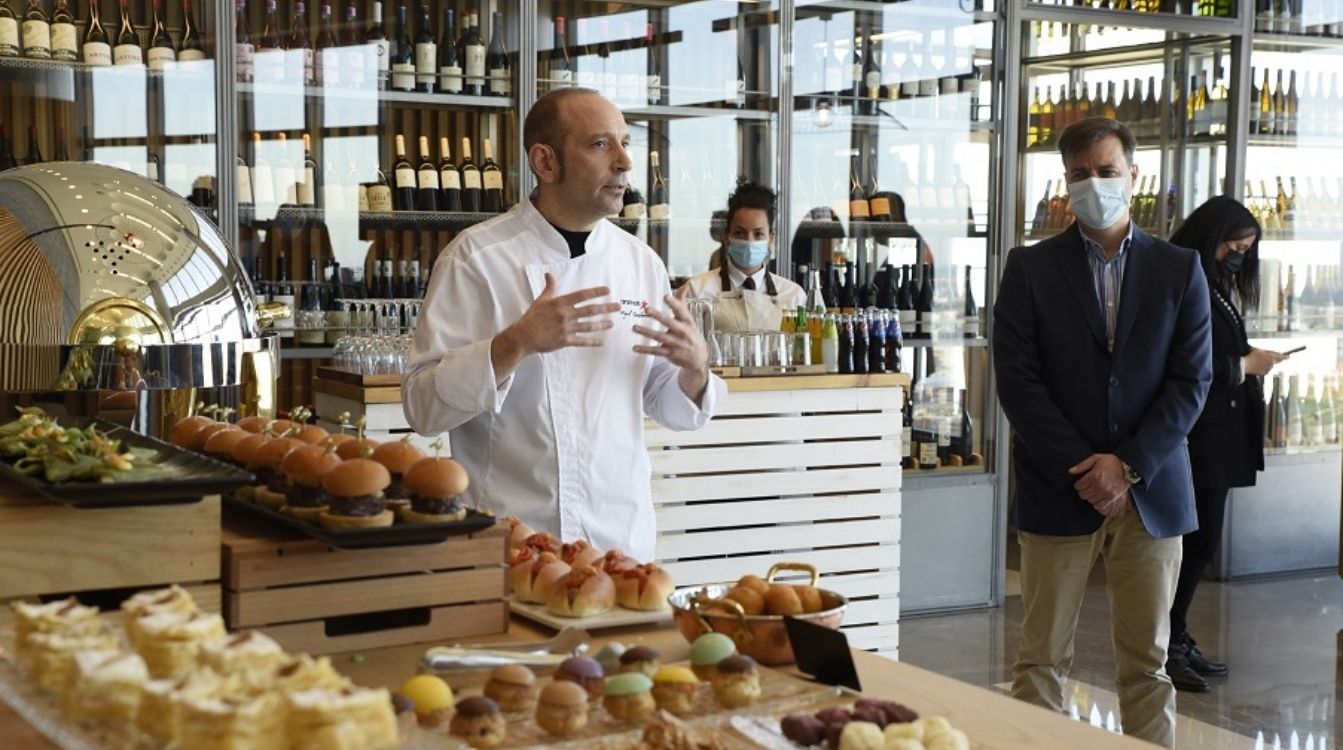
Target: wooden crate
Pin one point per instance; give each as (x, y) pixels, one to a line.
(380, 405)
(314, 598)
(791, 469)
(48, 548)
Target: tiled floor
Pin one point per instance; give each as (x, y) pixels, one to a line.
(1283, 639)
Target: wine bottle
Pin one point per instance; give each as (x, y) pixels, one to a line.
(312, 307)
(268, 63)
(377, 36)
(286, 178)
(426, 179)
(303, 59)
(380, 193)
(307, 179)
(403, 286)
(36, 32)
(34, 147)
(127, 50)
(492, 181)
(426, 55)
(9, 31)
(659, 202)
(263, 177)
(449, 62)
(449, 179)
(496, 60)
(403, 199)
(97, 49)
(162, 53)
(471, 182)
(356, 68)
(282, 291)
(243, 175)
(472, 52)
(560, 68)
(1296, 435)
(402, 55)
(970, 312)
(654, 66)
(872, 74)
(327, 57)
(64, 38)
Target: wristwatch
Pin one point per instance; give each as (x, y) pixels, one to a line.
(1131, 474)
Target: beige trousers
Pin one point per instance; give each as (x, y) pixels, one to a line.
(1140, 573)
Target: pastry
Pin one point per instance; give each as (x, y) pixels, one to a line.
(512, 686)
(398, 456)
(707, 651)
(479, 721)
(357, 448)
(303, 672)
(198, 439)
(270, 492)
(221, 444)
(160, 712)
(518, 531)
(871, 714)
(404, 709)
(579, 553)
(235, 722)
(433, 699)
(615, 561)
(582, 592)
(629, 697)
(861, 735)
(66, 616)
(667, 732)
(676, 689)
(333, 441)
(432, 486)
(894, 713)
(810, 596)
(543, 542)
(644, 587)
(933, 726)
(534, 574)
(348, 719)
(909, 730)
(902, 743)
(172, 599)
(562, 709)
(104, 685)
(245, 652)
(355, 488)
(584, 671)
(171, 641)
(781, 599)
(803, 729)
(609, 656)
(253, 424)
(752, 603)
(953, 739)
(183, 432)
(303, 469)
(640, 659)
(50, 655)
(736, 682)
(755, 583)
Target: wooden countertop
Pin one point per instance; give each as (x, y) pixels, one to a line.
(992, 720)
(812, 382)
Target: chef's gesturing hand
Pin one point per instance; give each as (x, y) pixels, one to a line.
(551, 322)
(680, 344)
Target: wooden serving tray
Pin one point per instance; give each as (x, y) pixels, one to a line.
(618, 617)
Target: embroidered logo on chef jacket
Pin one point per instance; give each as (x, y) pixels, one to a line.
(634, 308)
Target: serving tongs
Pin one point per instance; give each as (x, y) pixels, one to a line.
(459, 658)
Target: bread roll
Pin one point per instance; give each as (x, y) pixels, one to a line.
(582, 592)
(644, 587)
(810, 597)
(518, 532)
(532, 575)
(580, 553)
(750, 600)
(755, 583)
(782, 599)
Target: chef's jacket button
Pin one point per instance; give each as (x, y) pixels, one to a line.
(1114, 427)
(1114, 381)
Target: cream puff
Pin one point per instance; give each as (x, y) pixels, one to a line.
(736, 683)
(707, 651)
(586, 672)
(676, 689)
(512, 686)
(479, 721)
(640, 659)
(434, 701)
(629, 696)
(562, 709)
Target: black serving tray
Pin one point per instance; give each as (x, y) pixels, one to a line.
(398, 534)
(194, 475)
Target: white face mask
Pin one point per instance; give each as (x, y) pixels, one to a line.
(1099, 202)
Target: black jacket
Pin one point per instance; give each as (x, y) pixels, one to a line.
(1226, 446)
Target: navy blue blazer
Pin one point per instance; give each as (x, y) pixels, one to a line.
(1068, 397)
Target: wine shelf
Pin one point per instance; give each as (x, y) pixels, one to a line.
(406, 98)
(1117, 56)
(18, 68)
(1296, 141)
(1081, 15)
(669, 112)
(1201, 141)
(1265, 41)
(295, 217)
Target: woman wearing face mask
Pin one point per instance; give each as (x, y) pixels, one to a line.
(1226, 446)
(750, 237)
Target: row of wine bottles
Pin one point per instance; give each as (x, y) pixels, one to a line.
(54, 36)
(1206, 8)
(1284, 210)
(274, 177)
(320, 301)
(1282, 110)
(356, 54)
(1311, 17)
(1304, 420)
(939, 431)
(1054, 211)
(909, 290)
(1312, 301)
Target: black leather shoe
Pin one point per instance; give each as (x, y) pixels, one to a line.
(1201, 664)
(1183, 677)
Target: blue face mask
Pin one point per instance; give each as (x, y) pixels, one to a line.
(748, 254)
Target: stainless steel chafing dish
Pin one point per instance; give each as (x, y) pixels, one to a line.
(120, 299)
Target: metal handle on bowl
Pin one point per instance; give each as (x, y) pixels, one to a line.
(743, 636)
(803, 567)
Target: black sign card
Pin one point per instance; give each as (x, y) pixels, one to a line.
(822, 653)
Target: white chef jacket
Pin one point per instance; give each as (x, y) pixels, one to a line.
(560, 443)
(709, 285)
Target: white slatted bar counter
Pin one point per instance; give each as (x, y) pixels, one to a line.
(803, 469)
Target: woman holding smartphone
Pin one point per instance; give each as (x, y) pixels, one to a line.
(1226, 446)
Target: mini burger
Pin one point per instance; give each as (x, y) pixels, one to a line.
(221, 444)
(398, 456)
(432, 485)
(355, 448)
(183, 431)
(271, 492)
(311, 434)
(304, 468)
(356, 501)
(247, 455)
(253, 424)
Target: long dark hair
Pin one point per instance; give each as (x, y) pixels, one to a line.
(1209, 226)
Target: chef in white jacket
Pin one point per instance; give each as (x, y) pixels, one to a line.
(548, 333)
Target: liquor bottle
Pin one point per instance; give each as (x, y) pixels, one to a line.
(263, 177)
(1151, 108)
(1040, 221)
(426, 55)
(1329, 412)
(1033, 120)
(127, 50)
(97, 49)
(388, 276)
(910, 451)
(380, 193)
(301, 54)
(402, 55)
(162, 54)
(659, 200)
(1047, 113)
(305, 192)
(970, 312)
(654, 66)
(36, 31)
(403, 174)
(401, 280)
(471, 48)
(492, 180)
(449, 62)
(1083, 107)
(377, 36)
(560, 68)
(496, 60)
(327, 57)
(449, 179)
(471, 183)
(282, 291)
(426, 179)
(9, 31)
(312, 306)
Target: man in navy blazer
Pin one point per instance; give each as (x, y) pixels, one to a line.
(1102, 352)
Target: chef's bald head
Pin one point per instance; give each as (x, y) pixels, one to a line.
(547, 123)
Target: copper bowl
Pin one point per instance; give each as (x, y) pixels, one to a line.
(702, 609)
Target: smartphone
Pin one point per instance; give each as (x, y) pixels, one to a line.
(1294, 351)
